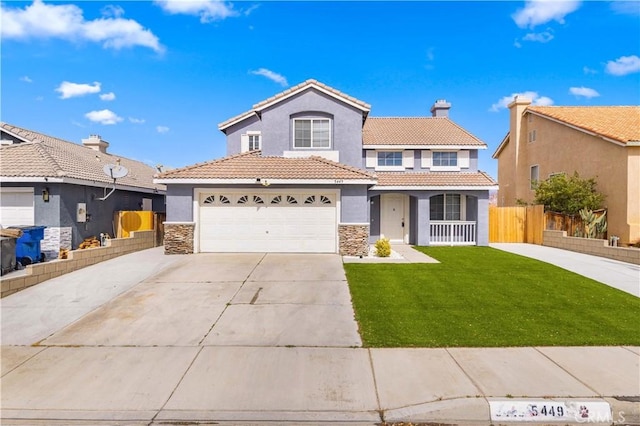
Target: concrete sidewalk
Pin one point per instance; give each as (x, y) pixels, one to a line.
(252, 338)
(621, 275)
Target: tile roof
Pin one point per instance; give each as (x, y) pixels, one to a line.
(416, 131)
(620, 123)
(297, 88)
(46, 156)
(252, 165)
(435, 179)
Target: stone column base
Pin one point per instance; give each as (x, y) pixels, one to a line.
(353, 239)
(178, 238)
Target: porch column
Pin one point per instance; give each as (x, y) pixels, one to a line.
(423, 220)
(483, 220)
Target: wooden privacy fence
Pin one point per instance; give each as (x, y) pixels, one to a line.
(126, 222)
(516, 224)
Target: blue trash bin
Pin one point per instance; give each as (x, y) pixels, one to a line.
(28, 246)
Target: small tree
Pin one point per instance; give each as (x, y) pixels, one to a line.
(568, 195)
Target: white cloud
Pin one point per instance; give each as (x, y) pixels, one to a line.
(536, 99)
(584, 91)
(108, 96)
(537, 12)
(543, 37)
(71, 90)
(624, 65)
(207, 10)
(40, 20)
(517, 43)
(104, 116)
(162, 129)
(26, 79)
(137, 120)
(273, 76)
(588, 70)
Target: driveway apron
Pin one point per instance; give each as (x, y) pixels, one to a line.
(209, 336)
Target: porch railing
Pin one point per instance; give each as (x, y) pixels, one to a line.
(452, 233)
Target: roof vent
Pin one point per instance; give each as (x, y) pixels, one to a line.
(440, 108)
(96, 142)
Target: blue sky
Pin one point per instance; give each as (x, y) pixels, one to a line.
(155, 78)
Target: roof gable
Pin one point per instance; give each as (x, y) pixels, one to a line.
(418, 131)
(292, 91)
(617, 123)
(43, 156)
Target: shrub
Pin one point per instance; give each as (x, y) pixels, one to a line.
(383, 247)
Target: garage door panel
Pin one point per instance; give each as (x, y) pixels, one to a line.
(16, 207)
(269, 227)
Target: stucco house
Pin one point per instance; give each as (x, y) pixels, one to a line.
(58, 184)
(601, 142)
(308, 170)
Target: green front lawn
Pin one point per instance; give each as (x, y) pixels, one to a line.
(484, 297)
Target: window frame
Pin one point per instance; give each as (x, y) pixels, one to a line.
(311, 120)
(532, 181)
(397, 158)
(252, 136)
(446, 168)
(453, 209)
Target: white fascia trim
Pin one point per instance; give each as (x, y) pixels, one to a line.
(323, 90)
(269, 181)
(237, 120)
(432, 188)
(578, 128)
(73, 181)
(30, 179)
(633, 143)
(434, 147)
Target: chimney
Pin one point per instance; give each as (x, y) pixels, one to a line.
(95, 142)
(516, 109)
(440, 108)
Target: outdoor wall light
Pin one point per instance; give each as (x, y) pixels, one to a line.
(45, 195)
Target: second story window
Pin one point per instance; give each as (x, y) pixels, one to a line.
(254, 142)
(445, 159)
(389, 158)
(312, 133)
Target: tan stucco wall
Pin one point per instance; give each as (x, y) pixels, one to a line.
(559, 148)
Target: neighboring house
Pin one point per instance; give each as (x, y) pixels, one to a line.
(52, 182)
(309, 171)
(601, 142)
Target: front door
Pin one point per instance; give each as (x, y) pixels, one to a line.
(392, 217)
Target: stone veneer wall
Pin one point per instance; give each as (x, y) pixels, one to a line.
(353, 240)
(559, 239)
(178, 238)
(55, 238)
(77, 259)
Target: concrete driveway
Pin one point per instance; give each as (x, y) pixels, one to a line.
(247, 338)
(227, 299)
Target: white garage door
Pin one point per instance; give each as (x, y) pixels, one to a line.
(254, 221)
(16, 206)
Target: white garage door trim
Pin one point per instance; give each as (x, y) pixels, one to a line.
(17, 206)
(270, 218)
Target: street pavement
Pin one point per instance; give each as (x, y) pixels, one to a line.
(255, 338)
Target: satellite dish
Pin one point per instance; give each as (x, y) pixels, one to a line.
(115, 171)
